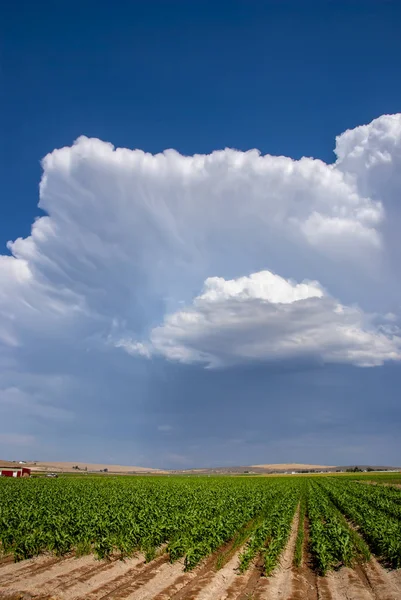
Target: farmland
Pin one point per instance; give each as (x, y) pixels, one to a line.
(201, 537)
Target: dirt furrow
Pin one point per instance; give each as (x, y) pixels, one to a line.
(365, 582)
(280, 583)
(345, 584)
(65, 569)
(136, 575)
(218, 587)
(86, 578)
(237, 588)
(304, 586)
(13, 595)
(83, 587)
(66, 581)
(195, 587)
(78, 582)
(323, 589)
(10, 576)
(245, 584)
(382, 583)
(190, 585)
(6, 560)
(147, 589)
(187, 585)
(26, 568)
(379, 581)
(172, 590)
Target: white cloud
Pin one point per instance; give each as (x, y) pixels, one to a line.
(266, 318)
(371, 154)
(125, 226)
(133, 347)
(130, 238)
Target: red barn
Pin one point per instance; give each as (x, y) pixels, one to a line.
(13, 470)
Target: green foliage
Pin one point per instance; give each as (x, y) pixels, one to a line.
(375, 511)
(333, 543)
(299, 544)
(191, 518)
(269, 539)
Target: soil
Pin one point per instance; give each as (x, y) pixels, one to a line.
(396, 485)
(305, 581)
(86, 578)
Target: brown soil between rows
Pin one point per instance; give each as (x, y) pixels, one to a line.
(280, 584)
(384, 483)
(85, 578)
(206, 581)
(304, 579)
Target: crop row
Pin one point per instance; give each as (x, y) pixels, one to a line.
(191, 518)
(332, 541)
(270, 537)
(373, 512)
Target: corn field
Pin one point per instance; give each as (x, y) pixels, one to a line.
(341, 521)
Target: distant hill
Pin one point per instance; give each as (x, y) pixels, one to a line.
(70, 467)
(267, 468)
(67, 467)
(278, 468)
(291, 467)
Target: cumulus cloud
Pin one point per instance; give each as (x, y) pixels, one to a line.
(129, 238)
(267, 318)
(127, 230)
(371, 155)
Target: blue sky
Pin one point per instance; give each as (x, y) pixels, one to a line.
(220, 309)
